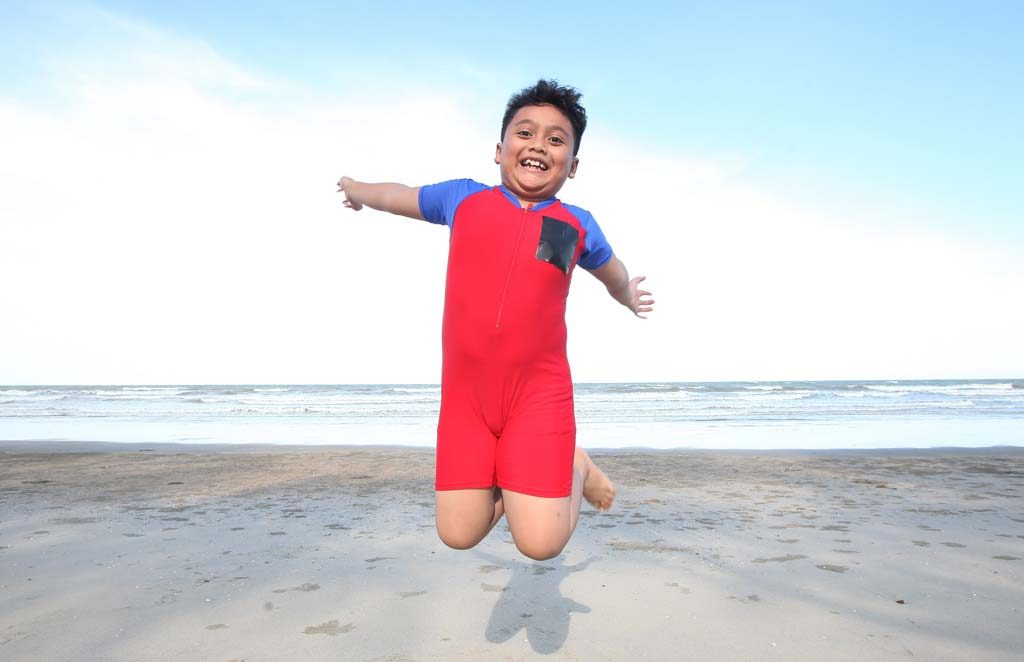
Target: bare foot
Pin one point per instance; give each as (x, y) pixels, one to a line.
(598, 489)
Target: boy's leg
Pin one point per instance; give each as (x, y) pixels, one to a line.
(542, 526)
(464, 517)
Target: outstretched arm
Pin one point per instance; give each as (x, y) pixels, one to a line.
(392, 198)
(615, 277)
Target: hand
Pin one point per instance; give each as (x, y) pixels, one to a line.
(344, 186)
(637, 303)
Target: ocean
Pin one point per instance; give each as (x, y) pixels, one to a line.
(662, 415)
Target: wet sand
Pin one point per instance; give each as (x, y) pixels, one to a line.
(160, 552)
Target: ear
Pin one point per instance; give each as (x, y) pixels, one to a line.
(497, 154)
(572, 168)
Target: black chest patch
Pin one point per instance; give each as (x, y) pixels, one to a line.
(557, 244)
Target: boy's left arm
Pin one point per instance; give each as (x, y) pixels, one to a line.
(615, 277)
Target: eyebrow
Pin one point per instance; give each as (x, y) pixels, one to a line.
(530, 122)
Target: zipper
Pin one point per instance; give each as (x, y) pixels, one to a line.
(508, 277)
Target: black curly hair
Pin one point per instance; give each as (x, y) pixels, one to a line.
(549, 93)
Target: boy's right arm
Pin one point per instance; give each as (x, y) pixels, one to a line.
(393, 198)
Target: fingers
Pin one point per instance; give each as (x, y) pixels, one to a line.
(354, 206)
(643, 303)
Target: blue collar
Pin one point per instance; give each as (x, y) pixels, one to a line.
(515, 200)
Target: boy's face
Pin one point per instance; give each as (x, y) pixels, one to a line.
(535, 153)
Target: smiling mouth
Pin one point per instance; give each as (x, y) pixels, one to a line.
(533, 164)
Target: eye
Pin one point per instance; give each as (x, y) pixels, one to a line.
(557, 140)
(523, 133)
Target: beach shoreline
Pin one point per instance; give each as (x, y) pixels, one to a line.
(227, 552)
(21, 447)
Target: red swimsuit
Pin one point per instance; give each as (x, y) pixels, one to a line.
(506, 391)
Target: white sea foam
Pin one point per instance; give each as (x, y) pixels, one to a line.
(232, 409)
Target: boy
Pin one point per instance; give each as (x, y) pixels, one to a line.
(506, 433)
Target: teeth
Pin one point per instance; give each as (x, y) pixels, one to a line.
(535, 164)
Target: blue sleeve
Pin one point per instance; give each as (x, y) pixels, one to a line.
(438, 202)
(596, 250)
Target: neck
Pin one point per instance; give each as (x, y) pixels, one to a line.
(524, 201)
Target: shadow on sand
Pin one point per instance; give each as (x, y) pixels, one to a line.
(533, 600)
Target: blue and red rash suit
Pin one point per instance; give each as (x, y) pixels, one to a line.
(506, 391)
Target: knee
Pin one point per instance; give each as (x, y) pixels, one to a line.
(458, 537)
(540, 550)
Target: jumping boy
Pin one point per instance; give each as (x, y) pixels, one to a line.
(506, 436)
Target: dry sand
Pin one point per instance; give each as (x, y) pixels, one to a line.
(227, 553)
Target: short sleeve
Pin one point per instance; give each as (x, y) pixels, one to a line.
(438, 202)
(596, 250)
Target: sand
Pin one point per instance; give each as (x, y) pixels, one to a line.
(134, 552)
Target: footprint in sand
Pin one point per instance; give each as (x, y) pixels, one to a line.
(492, 588)
(330, 628)
(1004, 557)
(305, 588)
(953, 544)
(682, 589)
(411, 594)
(74, 520)
(781, 559)
(832, 568)
(646, 547)
(489, 568)
(217, 626)
(921, 543)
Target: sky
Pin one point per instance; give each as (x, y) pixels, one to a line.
(813, 190)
